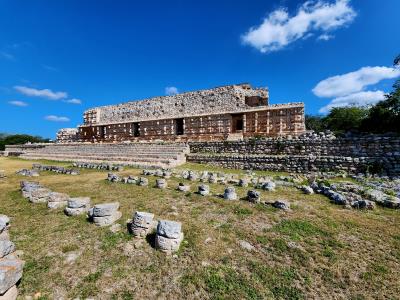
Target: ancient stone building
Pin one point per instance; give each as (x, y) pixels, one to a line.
(224, 113)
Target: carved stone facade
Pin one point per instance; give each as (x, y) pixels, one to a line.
(228, 112)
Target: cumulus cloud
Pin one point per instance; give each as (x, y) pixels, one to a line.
(355, 99)
(171, 90)
(342, 85)
(45, 93)
(74, 101)
(18, 103)
(278, 29)
(56, 118)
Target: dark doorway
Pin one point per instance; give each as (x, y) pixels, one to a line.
(237, 123)
(101, 131)
(136, 129)
(179, 126)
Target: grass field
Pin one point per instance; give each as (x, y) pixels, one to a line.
(315, 251)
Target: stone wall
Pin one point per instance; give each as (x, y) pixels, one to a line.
(230, 98)
(67, 135)
(304, 153)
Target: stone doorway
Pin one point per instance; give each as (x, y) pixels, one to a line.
(237, 123)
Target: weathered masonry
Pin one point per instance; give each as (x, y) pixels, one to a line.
(224, 113)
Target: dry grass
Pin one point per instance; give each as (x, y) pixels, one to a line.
(318, 250)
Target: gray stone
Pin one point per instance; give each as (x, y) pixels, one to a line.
(243, 182)
(230, 193)
(203, 189)
(39, 195)
(161, 183)
(281, 204)
(268, 186)
(169, 229)
(75, 211)
(10, 272)
(363, 204)
(307, 189)
(11, 294)
(6, 247)
(78, 202)
(183, 188)
(143, 181)
(246, 245)
(107, 220)
(253, 196)
(168, 245)
(142, 224)
(105, 209)
(57, 200)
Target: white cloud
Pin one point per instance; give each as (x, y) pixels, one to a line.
(345, 84)
(171, 90)
(355, 99)
(325, 37)
(74, 101)
(45, 93)
(18, 103)
(278, 29)
(56, 118)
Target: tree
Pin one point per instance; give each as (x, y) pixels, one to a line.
(385, 115)
(18, 139)
(315, 123)
(343, 119)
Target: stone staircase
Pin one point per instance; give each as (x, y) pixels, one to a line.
(134, 154)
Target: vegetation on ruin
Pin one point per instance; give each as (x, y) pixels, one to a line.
(317, 250)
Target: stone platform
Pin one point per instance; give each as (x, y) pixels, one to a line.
(133, 154)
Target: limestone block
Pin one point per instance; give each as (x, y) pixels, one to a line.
(192, 176)
(243, 182)
(75, 211)
(108, 219)
(281, 204)
(10, 272)
(183, 188)
(57, 200)
(143, 181)
(363, 204)
(230, 193)
(161, 183)
(268, 186)
(168, 245)
(169, 229)
(253, 196)
(6, 247)
(142, 224)
(78, 202)
(203, 189)
(39, 195)
(11, 294)
(105, 209)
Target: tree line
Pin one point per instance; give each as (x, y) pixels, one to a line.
(18, 139)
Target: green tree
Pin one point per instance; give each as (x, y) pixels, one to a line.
(18, 139)
(315, 123)
(385, 115)
(343, 119)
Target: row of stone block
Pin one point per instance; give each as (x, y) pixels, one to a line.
(98, 166)
(56, 169)
(11, 266)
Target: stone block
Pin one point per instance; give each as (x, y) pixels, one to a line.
(105, 209)
(10, 272)
(169, 229)
(108, 219)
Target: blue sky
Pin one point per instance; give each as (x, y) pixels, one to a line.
(58, 58)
